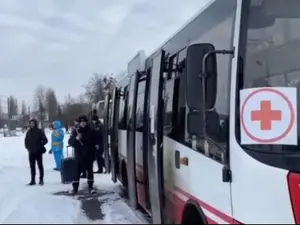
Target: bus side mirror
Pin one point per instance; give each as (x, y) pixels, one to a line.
(201, 71)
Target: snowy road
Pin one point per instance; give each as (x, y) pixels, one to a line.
(49, 204)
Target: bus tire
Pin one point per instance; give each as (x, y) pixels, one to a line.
(124, 174)
(192, 214)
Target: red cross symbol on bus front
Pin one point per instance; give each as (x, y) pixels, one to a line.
(266, 115)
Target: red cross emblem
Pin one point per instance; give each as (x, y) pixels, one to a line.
(266, 115)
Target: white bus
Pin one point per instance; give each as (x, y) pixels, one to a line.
(175, 123)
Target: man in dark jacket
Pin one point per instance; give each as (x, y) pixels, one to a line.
(35, 141)
(74, 131)
(98, 128)
(83, 142)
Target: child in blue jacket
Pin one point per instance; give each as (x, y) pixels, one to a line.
(57, 144)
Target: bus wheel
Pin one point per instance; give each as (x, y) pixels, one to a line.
(124, 175)
(191, 215)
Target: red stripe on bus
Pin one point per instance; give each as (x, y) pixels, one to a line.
(206, 206)
(210, 221)
(175, 206)
(203, 204)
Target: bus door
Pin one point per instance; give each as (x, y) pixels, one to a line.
(141, 141)
(106, 133)
(131, 127)
(114, 135)
(155, 154)
(136, 158)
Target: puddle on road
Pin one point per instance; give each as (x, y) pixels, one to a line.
(92, 209)
(90, 203)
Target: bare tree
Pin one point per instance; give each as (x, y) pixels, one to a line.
(51, 104)
(23, 108)
(82, 98)
(94, 89)
(12, 105)
(40, 102)
(24, 113)
(73, 108)
(98, 87)
(109, 84)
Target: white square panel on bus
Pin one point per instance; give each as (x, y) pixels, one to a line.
(137, 63)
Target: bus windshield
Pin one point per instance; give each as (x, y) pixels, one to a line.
(271, 53)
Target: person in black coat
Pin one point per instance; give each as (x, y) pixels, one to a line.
(35, 141)
(98, 128)
(74, 131)
(83, 141)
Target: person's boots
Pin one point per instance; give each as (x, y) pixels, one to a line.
(41, 182)
(92, 191)
(75, 188)
(32, 182)
(91, 187)
(74, 192)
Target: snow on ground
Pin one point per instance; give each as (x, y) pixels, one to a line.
(50, 204)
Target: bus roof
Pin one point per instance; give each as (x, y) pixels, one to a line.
(189, 32)
(123, 82)
(183, 29)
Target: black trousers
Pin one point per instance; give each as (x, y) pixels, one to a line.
(100, 160)
(82, 168)
(88, 166)
(33, 159)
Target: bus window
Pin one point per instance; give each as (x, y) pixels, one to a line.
(123, 109)
(180, 127)
(271, 59)
(218, 117)
(171, 91)
(140, 106)
(110, 116)
(130, 102)
(170, 106)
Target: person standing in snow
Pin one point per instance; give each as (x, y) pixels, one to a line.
(35, 141)
(83, 141)
(74, 130)
(98, 128)
(57, 144)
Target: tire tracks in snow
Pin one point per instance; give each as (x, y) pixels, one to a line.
(10, 197)
(9, 201)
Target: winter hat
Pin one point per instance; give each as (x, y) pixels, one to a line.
(83, 118)
(33, 120)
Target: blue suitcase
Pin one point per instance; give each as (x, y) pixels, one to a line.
(68, 167)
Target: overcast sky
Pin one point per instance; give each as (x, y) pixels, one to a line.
(60, 43)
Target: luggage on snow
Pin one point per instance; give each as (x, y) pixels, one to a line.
(68, 167)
